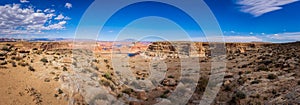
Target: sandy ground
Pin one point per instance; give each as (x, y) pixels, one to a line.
(15, 85)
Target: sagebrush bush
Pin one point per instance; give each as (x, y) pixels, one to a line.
(240, 95)
(107, 76)
(44, 60)
(272, 76)
(31, 68)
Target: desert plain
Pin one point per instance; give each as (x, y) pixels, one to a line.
(146, 73)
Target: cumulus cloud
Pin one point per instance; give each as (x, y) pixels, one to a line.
(260, 7)
(59, 17)
(62, 17)
(67, 18)
(68, 5)
(17, 20)
(24, 1)
(49, 10)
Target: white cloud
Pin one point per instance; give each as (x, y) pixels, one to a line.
(284, 37)
(228, 39)
(242, 39)
(68, 5)
(24, 1)
(16, 20)
(62, 17)
(59, 17)
(49, 10)
(260, 7)
(67, 18)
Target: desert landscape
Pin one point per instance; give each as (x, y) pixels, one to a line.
(149, 52)
(144, 73)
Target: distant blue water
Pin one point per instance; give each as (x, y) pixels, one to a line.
(132, 54)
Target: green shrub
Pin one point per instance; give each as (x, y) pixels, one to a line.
(105, 60)
(65, 69)
(163, 96)
(3, 63)
(107, 76)
(272, 76)
(5, 48)
(171, 76)
(120, 95)
(31, 68)
(167, 91)
(14, 64)
(23, 64)
(240, 95)
(227, 88)
(44, 60)
(127, 91)
(262, 68)
(255, 82)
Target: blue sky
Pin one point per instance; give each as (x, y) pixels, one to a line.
(239, 20)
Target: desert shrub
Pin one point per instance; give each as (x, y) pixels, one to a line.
(240, 95)
(227, 88)
(171, 76)
(31, 68)
(167, 92)
(23, 64)
(107, 76)
(255, 82)
(3, 67)
(3, 63)
(274, 92)
(247, 72)
(262, 68)
(105, 60)
(120, 95)
(74, 64)
(108, 66)
(127, 91)
(65, 69)
(5, 48)
(240, 72)
(242, 80)
(163, 96)
(2, 54)
(16, 58)
(14, 64)
(44, 60)
(272, 76)
(104, 82)
(95, 60)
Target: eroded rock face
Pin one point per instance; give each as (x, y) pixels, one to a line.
(175, 50)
